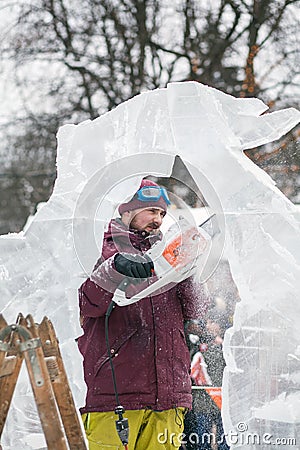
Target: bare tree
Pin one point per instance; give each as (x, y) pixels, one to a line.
(28, 175)
(80, 58)
(106, 51)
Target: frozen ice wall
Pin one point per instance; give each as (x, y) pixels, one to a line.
(100, 163)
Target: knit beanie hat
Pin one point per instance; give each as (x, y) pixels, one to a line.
(135, 203)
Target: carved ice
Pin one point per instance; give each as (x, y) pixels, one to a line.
(42, 267)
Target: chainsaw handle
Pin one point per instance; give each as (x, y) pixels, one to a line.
(124, 284)
(121, 300)
(119, 296)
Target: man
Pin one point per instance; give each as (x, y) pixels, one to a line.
(147, 340)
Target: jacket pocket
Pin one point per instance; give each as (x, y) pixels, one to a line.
(114, 348)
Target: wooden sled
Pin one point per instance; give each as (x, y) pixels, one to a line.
(38, 345)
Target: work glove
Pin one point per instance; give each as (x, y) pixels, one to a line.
(136, 266)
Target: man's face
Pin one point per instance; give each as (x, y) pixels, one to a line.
(149, 219)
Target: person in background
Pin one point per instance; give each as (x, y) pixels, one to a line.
(148, 346)
(203, 425)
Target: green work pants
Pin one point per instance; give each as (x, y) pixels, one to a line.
(148, 429)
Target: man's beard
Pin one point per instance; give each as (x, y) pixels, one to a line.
(154, 227)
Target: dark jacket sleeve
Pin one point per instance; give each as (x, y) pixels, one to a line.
(96, 292)
(93, 299)
(194, 299)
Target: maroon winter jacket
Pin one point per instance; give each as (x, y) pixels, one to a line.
(150, 355)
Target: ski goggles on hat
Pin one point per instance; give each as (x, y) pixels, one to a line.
(154, 193)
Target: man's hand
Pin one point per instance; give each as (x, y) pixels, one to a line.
(136, 266)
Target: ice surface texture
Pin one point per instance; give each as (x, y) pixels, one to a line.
(42, 267)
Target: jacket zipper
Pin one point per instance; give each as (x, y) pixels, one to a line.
(155, 349)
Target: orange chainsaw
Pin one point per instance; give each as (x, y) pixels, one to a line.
(183, 249)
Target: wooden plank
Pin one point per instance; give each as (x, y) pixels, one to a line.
(8, 381)
(3, 322)
(8, 366)
(43, 392)
(69, 415)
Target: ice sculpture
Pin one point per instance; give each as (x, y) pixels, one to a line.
(42, 267)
